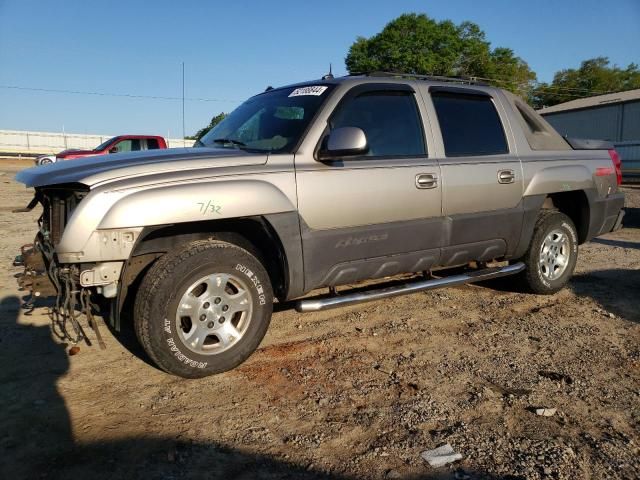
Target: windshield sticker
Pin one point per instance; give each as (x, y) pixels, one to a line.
(316, 90)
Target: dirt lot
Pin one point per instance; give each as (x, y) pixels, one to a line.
(352, 393)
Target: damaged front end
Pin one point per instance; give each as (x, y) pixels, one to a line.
(34, 278)
(44, 276)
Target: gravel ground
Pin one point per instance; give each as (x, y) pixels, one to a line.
(357, 392)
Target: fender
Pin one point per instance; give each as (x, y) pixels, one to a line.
(563, 178)
(196, 202)
(106, 224)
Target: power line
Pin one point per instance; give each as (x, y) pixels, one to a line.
(125, 95)
(543, 86)
(538, 85)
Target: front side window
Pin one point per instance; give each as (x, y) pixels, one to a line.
(470, 125)
(129, 145)
(152, 144)
(390, 121)
(273, 121)
(122, 146)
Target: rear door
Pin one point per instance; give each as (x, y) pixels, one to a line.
(378, 214)
(482, 181)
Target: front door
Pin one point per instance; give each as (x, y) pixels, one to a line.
(378, 214)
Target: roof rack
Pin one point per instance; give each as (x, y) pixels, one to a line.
(437, 78)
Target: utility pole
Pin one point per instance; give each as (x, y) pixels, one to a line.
(183, 129)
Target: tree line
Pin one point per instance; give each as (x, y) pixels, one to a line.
(417, 44)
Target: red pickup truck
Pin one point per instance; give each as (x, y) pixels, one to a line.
(121, 143)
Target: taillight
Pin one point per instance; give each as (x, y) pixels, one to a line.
(617, 164)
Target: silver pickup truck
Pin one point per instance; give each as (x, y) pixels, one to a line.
(320, 184)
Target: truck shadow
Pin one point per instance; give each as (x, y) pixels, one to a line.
(33, 411)
(37, 439)
(616, 243)
(616, 290)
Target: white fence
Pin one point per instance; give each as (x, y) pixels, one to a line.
(29, 143)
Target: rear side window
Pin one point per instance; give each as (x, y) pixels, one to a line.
(390, 120)
(152, 143)
(470, 125)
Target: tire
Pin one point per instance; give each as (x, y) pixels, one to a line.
(552, 254)
(203, 309)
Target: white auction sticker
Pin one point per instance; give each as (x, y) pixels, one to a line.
(315, 90)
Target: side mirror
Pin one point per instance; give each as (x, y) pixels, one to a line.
(344, 141)
(113, 150)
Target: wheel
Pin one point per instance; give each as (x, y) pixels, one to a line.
(552, 254)
(203, 309)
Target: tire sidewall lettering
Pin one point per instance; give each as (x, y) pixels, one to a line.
(572, 234)
(255, 281)
(182, 357)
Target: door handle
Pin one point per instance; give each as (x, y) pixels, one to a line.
(426, 180)
(506, 176)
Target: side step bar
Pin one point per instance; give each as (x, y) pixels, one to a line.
(317, 304)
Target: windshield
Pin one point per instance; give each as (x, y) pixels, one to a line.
(104, 145)
(273, 121)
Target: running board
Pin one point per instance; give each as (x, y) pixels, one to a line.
(317, 304)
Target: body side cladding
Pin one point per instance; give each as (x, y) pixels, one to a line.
(356, 249)
(531, 209)
(591, 214)
(340, 256)
(470, 228)
(604, 213)
(287, 227)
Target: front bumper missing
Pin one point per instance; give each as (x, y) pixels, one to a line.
(34, 278)
(43, 277)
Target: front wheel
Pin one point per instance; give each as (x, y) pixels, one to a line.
(552, 254)
(203, 309)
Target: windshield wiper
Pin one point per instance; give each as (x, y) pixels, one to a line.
(236, 143)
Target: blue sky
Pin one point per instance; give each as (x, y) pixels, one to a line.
(233, 49)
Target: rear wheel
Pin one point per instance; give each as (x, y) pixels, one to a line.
(203, 309)
(552, 253)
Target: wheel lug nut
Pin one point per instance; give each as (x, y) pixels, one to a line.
(210, 325)
(203, 317)
(206, 305)
(217, 301)
(225, 308)
(221, 320)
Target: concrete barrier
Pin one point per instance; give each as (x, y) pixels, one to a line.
(28, 143)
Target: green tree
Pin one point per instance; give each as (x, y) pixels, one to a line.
(203, 131)
(415, 43)
(594, 77)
